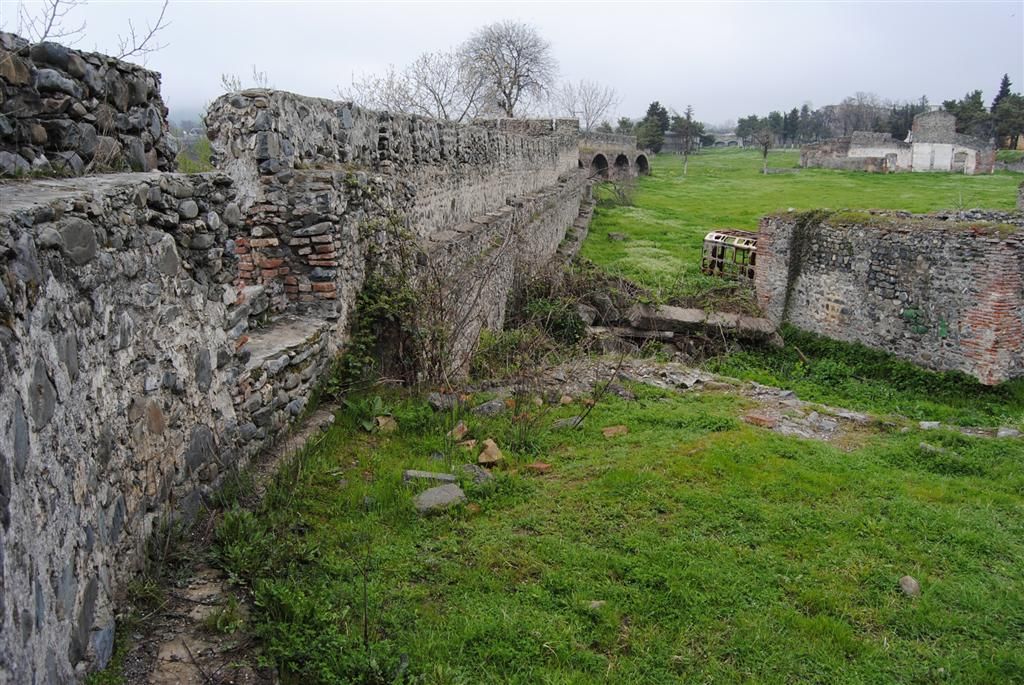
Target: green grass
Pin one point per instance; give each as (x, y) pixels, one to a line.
(725, 189)
(195, 158)
(1009, 156)
(857, 377)
(694, 549)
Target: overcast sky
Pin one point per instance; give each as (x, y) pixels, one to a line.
(725, 59)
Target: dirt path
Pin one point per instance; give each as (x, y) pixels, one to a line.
(193, 638)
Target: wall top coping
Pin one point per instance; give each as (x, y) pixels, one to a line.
(977, 222)
(19, 195)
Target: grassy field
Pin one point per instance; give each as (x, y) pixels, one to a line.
(725, 189)
(695, 548)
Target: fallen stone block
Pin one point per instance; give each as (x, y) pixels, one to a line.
(666, 318)
(438, 499)
(491, 455)
(413, 474)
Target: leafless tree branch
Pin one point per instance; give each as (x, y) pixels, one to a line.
(48, 21)
(588, 101)
(137, 43)
(515, 64)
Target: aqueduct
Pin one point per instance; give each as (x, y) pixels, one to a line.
(609, 155)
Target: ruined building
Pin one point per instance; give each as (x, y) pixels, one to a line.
(932, 145)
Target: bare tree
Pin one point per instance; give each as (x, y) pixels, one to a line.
(689, 134)
(444, 85)
(438, 84)
(389, 91)
(46, 21)
(514, 62)
(141, 43)
(762, 138)
(861, 112)
(588, 101)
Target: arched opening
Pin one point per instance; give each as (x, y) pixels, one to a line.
(642, 167)
(621, 165)
(599, 166)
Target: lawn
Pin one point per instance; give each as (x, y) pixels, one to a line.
(725, 189)
(696, 548)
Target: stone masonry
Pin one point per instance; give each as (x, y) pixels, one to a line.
(943, 291)
(933, 145)
(159, 329)
(68, 112)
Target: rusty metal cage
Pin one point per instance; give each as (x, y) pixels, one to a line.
(730, 253)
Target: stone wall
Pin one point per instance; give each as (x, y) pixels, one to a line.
(66, 112)
(317, 178)
(935, 146)
(943, 291)
(161, 329)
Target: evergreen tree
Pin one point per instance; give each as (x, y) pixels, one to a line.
(1004, 90)
(658, 113)
(624, 125)
(971, 114)
(1009, 120)
(791, 125)
(650, 135)
(805, 124)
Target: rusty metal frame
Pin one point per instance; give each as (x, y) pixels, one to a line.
(730, 253)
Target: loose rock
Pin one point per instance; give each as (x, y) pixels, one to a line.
(438, 499)
(491, 455)
(491, 408)
(910, 587)
(410, 475)
(459, 431)
(614, 431)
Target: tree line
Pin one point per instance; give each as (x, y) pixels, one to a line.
(1003, 120)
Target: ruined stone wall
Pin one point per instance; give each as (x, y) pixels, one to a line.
(135, 375)
(259, 136)
(321, 181)
(66, 112)
(946, 292)
(161, 329)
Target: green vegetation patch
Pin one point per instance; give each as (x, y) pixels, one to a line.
(695, 548)
(672, 213)
(858, 377)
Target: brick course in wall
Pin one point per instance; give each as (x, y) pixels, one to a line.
(943, 291)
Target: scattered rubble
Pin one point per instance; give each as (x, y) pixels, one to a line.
(491, 455)
(385, 424)
(479, 474)
(459, 431)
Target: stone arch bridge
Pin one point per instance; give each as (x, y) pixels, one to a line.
(612, 155)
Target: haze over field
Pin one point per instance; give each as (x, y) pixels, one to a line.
(725, 59)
